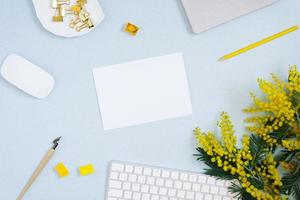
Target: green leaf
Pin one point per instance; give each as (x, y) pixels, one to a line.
(258, 149)
(281, 133)
(291, 184)
(240, 192)
(213, 169)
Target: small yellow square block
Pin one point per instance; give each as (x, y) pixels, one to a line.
(131, 29)
(86, 170)
(61, 170)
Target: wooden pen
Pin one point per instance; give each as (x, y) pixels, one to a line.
(39, 168)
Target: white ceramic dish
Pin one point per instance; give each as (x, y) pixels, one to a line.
(45, 12)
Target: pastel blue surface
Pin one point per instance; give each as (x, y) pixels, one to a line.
(28, 125)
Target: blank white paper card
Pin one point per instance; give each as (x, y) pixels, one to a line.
(142, 91)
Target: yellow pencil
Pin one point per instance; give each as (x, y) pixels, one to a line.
(259, 43)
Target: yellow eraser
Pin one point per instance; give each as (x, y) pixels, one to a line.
(61, 170)
(131, 29)
(86, 170)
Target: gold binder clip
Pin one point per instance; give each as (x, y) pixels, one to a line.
(84, 15)
(76, 9)
(57, 3)
(60, 9)
(81, 2)
(74, 22)
(86, 24)
(61, 12)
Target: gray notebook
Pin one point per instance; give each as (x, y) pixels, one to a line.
(206, 14)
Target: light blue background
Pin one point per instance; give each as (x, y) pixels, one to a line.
(28, 125)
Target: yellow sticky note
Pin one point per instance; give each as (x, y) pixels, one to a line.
(86, 170)
(131, 29)
(61, 170)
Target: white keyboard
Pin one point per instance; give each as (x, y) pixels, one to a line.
(139, 182)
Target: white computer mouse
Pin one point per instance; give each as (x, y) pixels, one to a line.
(45, 12)
(26, 76)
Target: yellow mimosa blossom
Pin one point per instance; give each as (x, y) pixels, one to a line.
(276, 110)
(294, 79)
(227, 132)
(291, 145)
(274, 143)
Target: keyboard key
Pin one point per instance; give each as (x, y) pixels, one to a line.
(187, 186)
(193, 178)
(115, 184)
(227, 183)
(165, 174)
(214, 190)
(190, 195)
(174, 175)
(129, 168)
(217, 197)
(117, 167)
(147, 171)
(205, 188)
(159, 182)
(156, 172)
(123, 177)
(196, 187)
(142, 179)
(169, 183)
(136, 196)
(135, 187)
(208, 197)
(183, 176)
(126, 186)
(150, 181)
(154, 197)
(114, 175)
(138, 170)
(199, 196)
(145, 196)
(211, 180)
(145, 188)
(223, 191)
(132, 178)
(172, 192)
(201, 179)
(181, 194)
(178, 185)
(163, 191)
(153, 189)
(127, 195)
(220, 182)
(115, 193)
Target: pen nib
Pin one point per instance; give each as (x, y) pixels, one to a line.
(55, 142)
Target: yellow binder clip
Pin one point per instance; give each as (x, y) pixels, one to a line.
(131, 29)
